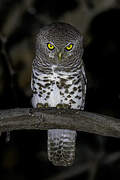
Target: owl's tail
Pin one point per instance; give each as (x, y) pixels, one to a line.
(61, 146)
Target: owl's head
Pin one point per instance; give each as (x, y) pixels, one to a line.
(59, 44)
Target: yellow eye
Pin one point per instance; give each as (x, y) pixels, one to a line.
(69, 47)
(50, 46)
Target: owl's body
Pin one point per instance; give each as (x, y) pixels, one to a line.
(58, 80)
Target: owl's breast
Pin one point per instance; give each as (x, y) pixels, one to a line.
(56, 89)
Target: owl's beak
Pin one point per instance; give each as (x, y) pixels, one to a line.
(59, 56)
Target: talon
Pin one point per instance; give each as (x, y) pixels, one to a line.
(63, 106)
(39, 105)
(46, 105)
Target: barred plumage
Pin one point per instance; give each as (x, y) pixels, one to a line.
(61, 146)
(58, 80)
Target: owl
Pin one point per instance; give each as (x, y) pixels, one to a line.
(59, 80)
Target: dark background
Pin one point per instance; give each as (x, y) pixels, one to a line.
(25, 155)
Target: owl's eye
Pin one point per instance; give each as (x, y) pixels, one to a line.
(50, 46)
(69, 47)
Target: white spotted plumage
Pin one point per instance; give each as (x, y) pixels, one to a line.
(59, 83)
(55, 97)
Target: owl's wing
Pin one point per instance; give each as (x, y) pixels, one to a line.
(32, 81)
(32, 75)
(84, 74)
(84, 86)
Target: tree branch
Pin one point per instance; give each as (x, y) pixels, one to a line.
(52, 118)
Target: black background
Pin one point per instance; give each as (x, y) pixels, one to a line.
(25, 155)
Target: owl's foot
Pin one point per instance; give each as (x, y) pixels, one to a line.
(63, 106)
(40, 105)
(59, 106)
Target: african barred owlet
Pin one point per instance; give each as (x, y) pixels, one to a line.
(58, 80)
